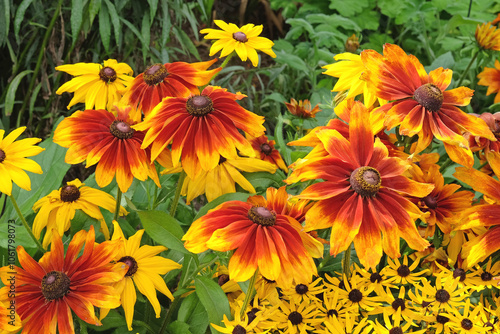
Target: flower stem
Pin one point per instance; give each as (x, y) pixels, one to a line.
(346, 262)
(170, 313)
(226, 61)
(177, 195)
(467, 69)
(25, 224)
(117, 207)
(250, 293)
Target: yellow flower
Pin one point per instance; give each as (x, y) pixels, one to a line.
(57, 209)
(488, 36)
(13, 160)
(95, 84)
(245, 41)
(145, 270)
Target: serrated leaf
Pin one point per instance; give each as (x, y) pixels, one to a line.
(105, 28)
(11, 92)
(18, 19)
(291, 60)
(348, 8)
(94, 8)
(5, 22)
(134, 29)
(153, 7)
(164, 229)
(213, 299)
(76, 18)
(115, 21)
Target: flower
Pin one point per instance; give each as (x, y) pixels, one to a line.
(10, 323)
(95, 84)
(469, 320)
(302, 109)
(264, 149)
(421, 106)
(48, 290)
(444, 295)
(394, 326)
(400, 273)
(295, 318)
(490, 77)
(201, 129)
(13, 160)
(108, 140)
(263, 239)
(302, 291)
(57, 209)
(144, 269)
(177, 79)
(360, 197)
(245, 41)
(352, 43)
(488, 36)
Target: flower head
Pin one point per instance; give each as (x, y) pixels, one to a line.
(95, 84)
(245, 41)
(490, 77)
(13, 160)
(57, 209)
(48, 290)
(302, 109)
(264, 149)
(177, 79)
(108, 140)
(488, 36)
(201, 129)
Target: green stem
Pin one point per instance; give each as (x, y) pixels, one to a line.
(117, 207)
(226, 61)
(346, 262)
(177, 195)
(250, 293)
(170, 313)
(147, 311)
(445, 165)
(25, 224)
(325, 260)
(467, 69)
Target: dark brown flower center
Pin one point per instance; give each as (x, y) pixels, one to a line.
(429, 96)
(355, 296)
(430, 201)
(107, 74)
(240, 37)
(266, 149)
(55, 285)
(403, 270)
(154, 74)
(252, 314)
(486, 276)
(2, 156)
(223, 279)
(396, 330)
(332, 313)
(131, 263)
(466, 324)
(301, 289)
(442, 296)
(459, 272)
(121, 130)
(199, 105)
(365, 181)
(398, 303)
(442, 319)
(262, 216)
(295, 318)
(375, 277)
(69, 193)
(238, 329)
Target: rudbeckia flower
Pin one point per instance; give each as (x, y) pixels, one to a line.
(144, 269)
(261, 238)
(108, 140)
(264, 149)
(49, 290)
(177, 79)
(302, 109)
(201, 129)
(361, 195)
(488, 36)
(95, 84)
(490, 77)
(421, 105)
(57, 209)
(489, 150)
(13, 160)
(245, 41)
(296, 318)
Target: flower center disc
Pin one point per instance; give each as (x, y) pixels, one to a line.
(238, 329)
(295, 318)
(131, 263)
(396, 330)
(301, 289)
(107, 74)
(466, 324)
(69, 193)
(155, 74)
(266, 149)
(2, 156)
(199, 105)
(55, 285)
(365, 181)
(429, 96)
(442, 296)
(430, 201)
(121, 130)
(262, 216)
(459, 272)
(398, 303)
(240, 37)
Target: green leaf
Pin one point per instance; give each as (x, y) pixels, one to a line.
(193, 313)
(115, 20)
(263, 180)
(134, 29)
(186, 42)
(94, 8)
(153, 7)
(11, 92)
(105, 28)
(178, 327)
(164, 229)
(445, 60)
(18, 19)
(222, 199)
(213, 299)
(5, 22)
(285, 151)
(291, 60)
(348, 8)
(76, 18)
(146, 35)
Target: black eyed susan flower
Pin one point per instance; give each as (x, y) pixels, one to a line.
(469, 320)
(393, 327)
(14, 162)
(398, 306)
(95, 84)
(401, 273)
(245, 41)
(305, 290)
(444, 295)
(358, 294)
(295, 318)
(485, 277)
(379, 280)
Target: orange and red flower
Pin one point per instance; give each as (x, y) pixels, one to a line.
(102, 138)
(201, 129)
(47, 291)
(302, 109)
(264, 149)
(488, 36)
(490, 77)
(177, 79)
(361, 195)
(421, 106)
(263, 239)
